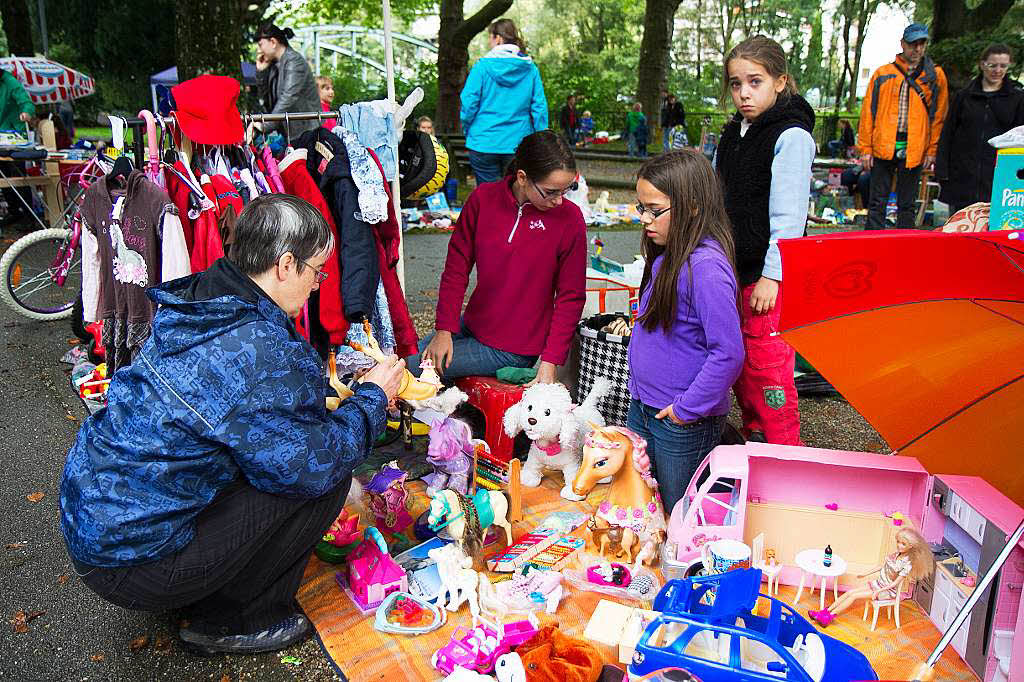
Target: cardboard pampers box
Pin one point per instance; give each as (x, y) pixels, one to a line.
(1007, 210)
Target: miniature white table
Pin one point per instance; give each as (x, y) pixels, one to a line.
(811, 563)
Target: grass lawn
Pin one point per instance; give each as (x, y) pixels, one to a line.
(100, 133)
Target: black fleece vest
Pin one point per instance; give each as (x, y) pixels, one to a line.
(745, 167)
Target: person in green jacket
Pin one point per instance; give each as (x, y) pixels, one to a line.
(636, 131)
(16, 109)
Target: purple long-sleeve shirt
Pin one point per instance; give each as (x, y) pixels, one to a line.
(693, 365)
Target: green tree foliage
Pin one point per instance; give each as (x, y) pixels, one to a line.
(120, 44)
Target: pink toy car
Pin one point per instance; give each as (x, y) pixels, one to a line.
(478, 648)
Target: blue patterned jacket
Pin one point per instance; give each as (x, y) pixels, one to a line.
(223, 388)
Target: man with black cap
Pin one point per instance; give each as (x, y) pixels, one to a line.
(900, 122)
(285, 81)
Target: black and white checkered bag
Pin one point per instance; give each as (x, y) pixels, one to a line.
(604, 355)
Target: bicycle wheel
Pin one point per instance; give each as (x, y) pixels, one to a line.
(28, 269)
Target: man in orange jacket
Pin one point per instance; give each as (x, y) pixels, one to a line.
(900, 122)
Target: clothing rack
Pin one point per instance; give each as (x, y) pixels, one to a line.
(138, 128)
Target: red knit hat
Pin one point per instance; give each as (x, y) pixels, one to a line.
(207, 109)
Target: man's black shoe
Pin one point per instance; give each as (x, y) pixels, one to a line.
(289, 631)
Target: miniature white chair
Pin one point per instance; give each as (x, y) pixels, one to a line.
(893, 604)
(770, 571)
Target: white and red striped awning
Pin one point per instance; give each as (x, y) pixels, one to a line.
(46, 81)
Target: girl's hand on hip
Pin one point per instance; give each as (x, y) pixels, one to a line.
(440, 350)
(545, 374)
(762, 299)
(668, 412)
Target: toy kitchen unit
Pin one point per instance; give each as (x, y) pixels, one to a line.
(968, 523)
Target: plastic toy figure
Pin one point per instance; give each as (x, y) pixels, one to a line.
(912, 560)
(411, 388)
(633, 503)
(388, 498)
(458, 579)
(468, 518)
(450, 450)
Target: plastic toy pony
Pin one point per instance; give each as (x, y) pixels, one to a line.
(411, 387)
(633, 503)
(468, 518)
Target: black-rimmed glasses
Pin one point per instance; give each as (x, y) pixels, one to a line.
(655, 212)
(552, 193)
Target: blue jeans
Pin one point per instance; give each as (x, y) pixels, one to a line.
(471, 358)
(666, 139)
(488, 167)
(675, 450)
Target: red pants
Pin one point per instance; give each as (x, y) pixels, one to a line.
(765, 389)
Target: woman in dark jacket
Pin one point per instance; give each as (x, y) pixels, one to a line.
(989, 106)
(285, 82)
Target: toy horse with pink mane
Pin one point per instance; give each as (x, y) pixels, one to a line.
(633, 506)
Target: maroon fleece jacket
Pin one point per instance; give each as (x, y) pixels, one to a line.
(531, 269)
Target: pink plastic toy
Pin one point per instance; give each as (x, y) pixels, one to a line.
(478, 648)
(372, 573)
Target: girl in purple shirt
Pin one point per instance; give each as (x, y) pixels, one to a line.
(686, 350)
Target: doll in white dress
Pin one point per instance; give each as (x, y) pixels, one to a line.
(912, 560)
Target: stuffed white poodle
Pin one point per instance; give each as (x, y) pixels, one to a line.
(557, 428)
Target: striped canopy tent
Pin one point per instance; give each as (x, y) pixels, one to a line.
(46, 81)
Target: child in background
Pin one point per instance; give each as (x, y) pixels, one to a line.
(326, 87)
(686, 349)
(913, 560)
(764, 160)
(636, 131)
(586, 129)
(425, 125)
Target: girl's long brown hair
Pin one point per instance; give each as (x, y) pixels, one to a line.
(686, 177)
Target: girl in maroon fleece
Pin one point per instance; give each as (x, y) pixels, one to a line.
(529, 249)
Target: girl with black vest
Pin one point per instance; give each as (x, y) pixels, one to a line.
(764, 162)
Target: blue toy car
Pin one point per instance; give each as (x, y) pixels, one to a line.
(708, 627)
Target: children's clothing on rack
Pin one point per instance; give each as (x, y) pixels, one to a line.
(375, 130)
(387, 237)
(373, 200)
(297, 181)
(328, 164)
(133, 240)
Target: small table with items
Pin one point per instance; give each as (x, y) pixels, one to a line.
(812, 564)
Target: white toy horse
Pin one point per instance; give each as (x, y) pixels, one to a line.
(468, 518)
(458, 579)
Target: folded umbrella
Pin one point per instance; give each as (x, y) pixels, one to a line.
(923, 333)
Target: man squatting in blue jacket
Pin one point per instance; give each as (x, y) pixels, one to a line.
(216, 467)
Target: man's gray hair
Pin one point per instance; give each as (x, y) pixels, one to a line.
(275, 224)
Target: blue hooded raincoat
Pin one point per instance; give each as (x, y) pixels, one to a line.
(223, 388)
(502, 101)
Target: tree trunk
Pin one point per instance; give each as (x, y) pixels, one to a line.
(652, 71)
(17, 28)
(953, 18)
(453, 40)
(700, 13)
(866, 11)
(208, 38)
(847, 20)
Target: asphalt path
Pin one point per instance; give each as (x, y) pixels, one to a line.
(79, 636)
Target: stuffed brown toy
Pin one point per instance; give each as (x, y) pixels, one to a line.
(550, 656)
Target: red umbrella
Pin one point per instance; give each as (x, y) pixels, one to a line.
(923, 333)
(47, 81)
